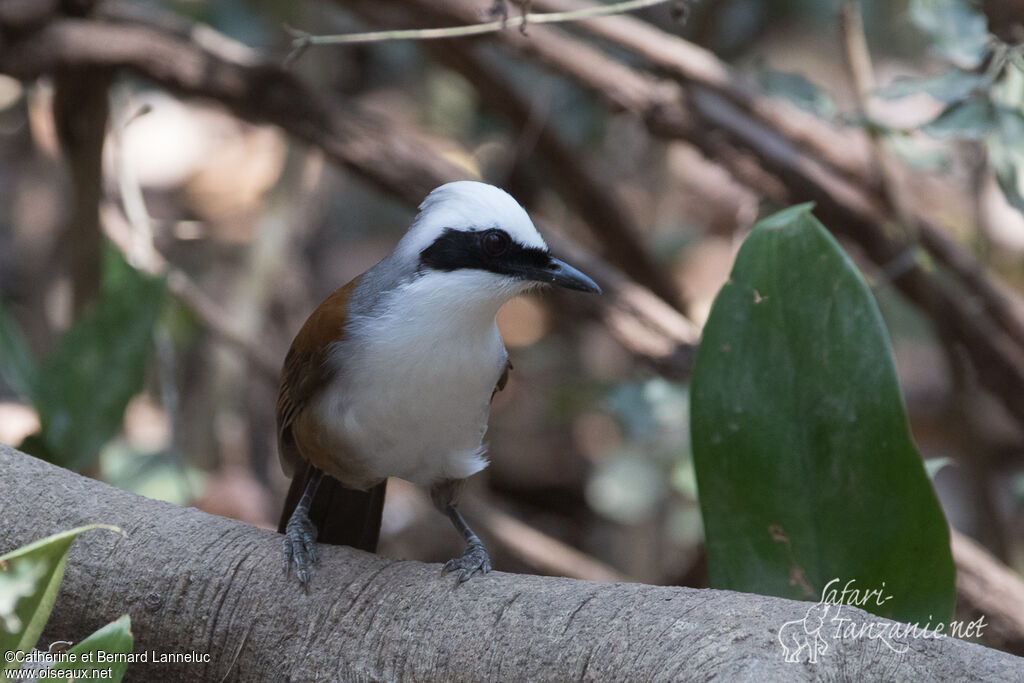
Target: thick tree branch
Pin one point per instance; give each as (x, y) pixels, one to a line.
(195, 582)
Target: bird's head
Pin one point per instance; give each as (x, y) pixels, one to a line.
(482, 233)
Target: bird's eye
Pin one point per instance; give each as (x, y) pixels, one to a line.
(495, 242)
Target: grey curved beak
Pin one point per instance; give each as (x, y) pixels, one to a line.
(560, 273)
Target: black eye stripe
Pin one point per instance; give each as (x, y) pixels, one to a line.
(457, 249)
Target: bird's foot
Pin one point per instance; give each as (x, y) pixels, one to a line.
(499, 10)
(525, 7)
(299, 547)
(474, 561)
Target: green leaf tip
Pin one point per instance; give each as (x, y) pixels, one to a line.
(784, 218)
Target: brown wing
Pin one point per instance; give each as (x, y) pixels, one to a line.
(305, 370)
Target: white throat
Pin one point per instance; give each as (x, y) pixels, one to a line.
(415, 378)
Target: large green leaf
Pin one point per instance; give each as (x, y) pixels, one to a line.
(804, 459)
(114, 638)
(99, 364)
(29, 580)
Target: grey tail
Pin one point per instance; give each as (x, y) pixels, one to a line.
(342, 516)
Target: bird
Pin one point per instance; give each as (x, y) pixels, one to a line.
(394, 373)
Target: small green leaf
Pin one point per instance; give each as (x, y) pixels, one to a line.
(1006, 154)
(16, 582)
(919, 153)
(969, 119)
(114, 638)
(958, 31)
(45, 561)
(950, 86)
(805, 464)
(798, 90)
(98, 365)
(935, 465)
(16, 363)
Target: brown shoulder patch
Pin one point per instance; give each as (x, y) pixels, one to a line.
(305, 372)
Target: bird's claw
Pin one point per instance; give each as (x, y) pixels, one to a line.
(499, 10)
(474, 561)
(299, 546)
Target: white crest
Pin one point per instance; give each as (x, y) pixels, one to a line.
(467, 205)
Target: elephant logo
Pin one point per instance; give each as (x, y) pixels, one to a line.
(805, 634)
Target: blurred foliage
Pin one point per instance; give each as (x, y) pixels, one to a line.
(81, 389)
(29, 580)
(803, 453)
(633, 479)
(160, 475)
(797, 89)
(983, 90)
(957, 30)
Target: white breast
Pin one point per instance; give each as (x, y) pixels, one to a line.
(412, 395)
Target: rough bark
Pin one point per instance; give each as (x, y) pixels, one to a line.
(195, 582)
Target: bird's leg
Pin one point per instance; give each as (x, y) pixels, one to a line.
(299, 545)
(524, 7)
(499, 10)
(474, 559)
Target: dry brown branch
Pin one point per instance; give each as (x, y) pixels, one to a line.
(396, 160)
(537, 549)
(582, 181)
(846, 152)
(534, 548)
(208, 311)
(843, 150)
(194, 582)
(862, 74)
(987, 586)
(80, 112)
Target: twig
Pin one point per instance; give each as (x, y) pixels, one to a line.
(987, 586)
(208, 311)
(80, 112)
(842, 150)
(303, 41)
(548, 554)
(858, 62)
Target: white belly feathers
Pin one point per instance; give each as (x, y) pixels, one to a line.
(411, 397)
